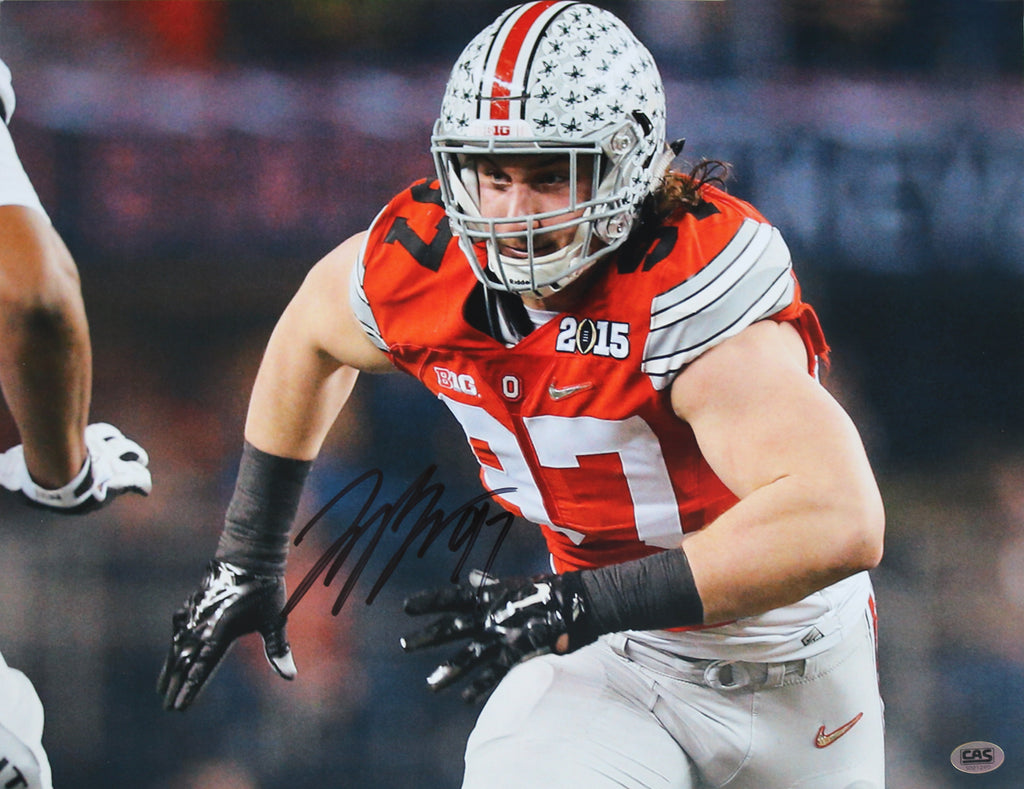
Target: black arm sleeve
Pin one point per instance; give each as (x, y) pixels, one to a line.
(652, 593)
(260, 515)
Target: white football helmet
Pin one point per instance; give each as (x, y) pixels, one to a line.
(552, 75)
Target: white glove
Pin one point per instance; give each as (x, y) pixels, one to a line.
(114, 465)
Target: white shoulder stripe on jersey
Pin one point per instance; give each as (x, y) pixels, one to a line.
(748, 280)
(358, 301)
(712, 282)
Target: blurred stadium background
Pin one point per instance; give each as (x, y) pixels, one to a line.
(198, 157)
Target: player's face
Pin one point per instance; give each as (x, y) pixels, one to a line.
(517, 186)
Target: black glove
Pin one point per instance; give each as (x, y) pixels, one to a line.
(229, 603)
(506, 621)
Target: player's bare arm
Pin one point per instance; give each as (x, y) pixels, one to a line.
(810, 513)
(63, 463)
(45, 356)
(311, 362)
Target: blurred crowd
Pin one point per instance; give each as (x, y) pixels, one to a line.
(199, 157)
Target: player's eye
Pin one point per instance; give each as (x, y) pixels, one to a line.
(553, 177)
(492, 175)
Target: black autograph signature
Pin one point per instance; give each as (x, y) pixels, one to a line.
(467, 520)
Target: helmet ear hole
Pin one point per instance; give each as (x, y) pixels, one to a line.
(647, 127)
(644, 121)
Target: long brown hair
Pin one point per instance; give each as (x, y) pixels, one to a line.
(680, 192)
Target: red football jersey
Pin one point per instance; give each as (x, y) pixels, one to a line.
(573, 422)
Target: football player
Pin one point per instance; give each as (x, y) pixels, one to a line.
(628, 353)
(63, 464)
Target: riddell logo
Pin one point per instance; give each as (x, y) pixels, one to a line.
(977, 757)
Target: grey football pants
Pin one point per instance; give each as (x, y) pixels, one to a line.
(620, 714)
(22, 759)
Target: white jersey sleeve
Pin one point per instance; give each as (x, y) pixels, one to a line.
(6, 93)
(747, 281)
(360, 303)
(15, 186)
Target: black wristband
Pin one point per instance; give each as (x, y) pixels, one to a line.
(263, 506)
(575, 608)
(652, 593)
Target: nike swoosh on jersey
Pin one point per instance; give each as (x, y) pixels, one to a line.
(823, 739)
(562, 392)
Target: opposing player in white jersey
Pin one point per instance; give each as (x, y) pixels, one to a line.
(63, 464)
(628, 353)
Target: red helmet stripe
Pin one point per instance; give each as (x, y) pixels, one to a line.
(509, 56)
